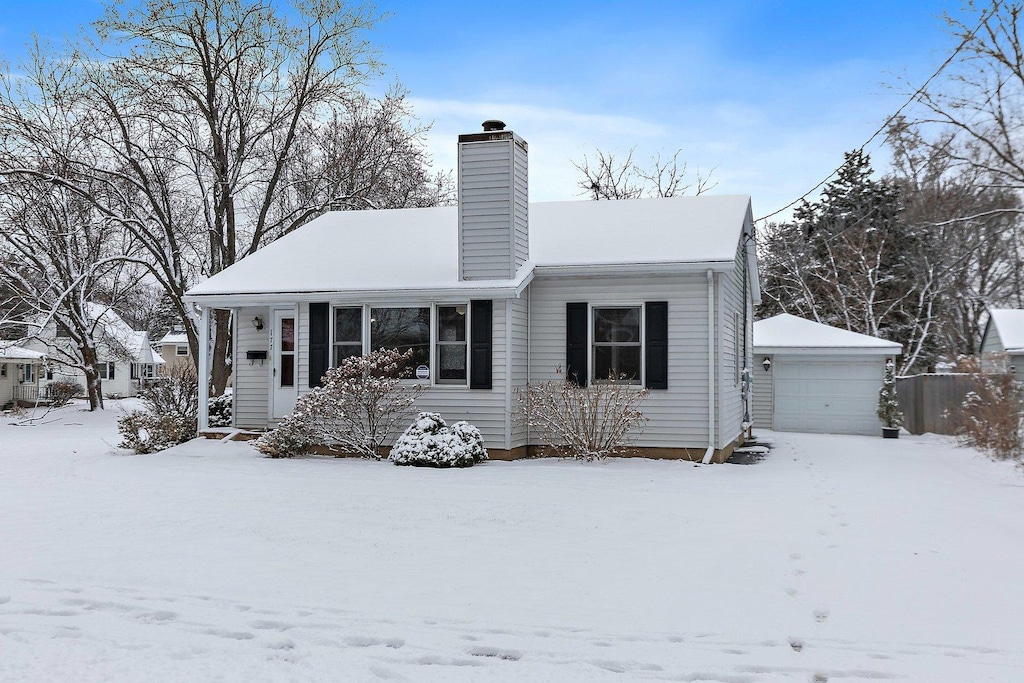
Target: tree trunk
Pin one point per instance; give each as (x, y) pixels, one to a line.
(93, 383)
(220, 370)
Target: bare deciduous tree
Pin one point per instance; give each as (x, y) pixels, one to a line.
(610, 176)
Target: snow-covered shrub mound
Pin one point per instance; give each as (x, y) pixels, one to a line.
(170, 415)
(289, 439)
(430, 442)
(220, 410)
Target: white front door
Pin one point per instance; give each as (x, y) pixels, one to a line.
(285, 367)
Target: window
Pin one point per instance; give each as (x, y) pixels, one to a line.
(106, 369)
(402, 329)
(181, 350)
(3, 369)
(135, 371)
(148, 370)
(287, 352)
(348, 333)
(451, 344)
(62, 332)
(28, 373)
(617, 344)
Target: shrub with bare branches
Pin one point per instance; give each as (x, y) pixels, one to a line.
(989, 418)
(358, 406)
(586, 423)
(171, 414)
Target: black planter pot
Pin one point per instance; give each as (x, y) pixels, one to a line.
(890, 432)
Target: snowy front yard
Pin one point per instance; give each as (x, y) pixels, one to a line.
(836, 558)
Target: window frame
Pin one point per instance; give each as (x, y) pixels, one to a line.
(367, 309)
(105, 373)
(641, 381)
(178, 348)
(435, 344)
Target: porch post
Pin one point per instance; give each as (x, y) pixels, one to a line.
(204, 369)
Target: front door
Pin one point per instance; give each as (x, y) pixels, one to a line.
(282, 341)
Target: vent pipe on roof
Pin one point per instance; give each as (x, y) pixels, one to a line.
(493, 124)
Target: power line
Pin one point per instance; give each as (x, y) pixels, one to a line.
(885, 124)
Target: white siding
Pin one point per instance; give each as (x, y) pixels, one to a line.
(763, 392)
(251, 380)
(678, 415)
(493, 208)
(731, 301)
(520, 363)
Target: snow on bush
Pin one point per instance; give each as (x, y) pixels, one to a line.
(888, 405)
(170, 415)
(220, 410)
(430, 442)
(360, 403)
(62, 391)
(586, 423)
(989, 418)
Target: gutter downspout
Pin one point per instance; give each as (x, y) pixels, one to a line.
(710, 453)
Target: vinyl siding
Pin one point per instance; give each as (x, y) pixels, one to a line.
(764, 392)
(521, 207)
(731, 301)
(486, 209)
(251, 380)
(678, 415)
(520, 363)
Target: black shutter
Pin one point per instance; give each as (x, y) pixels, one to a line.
(656, 338)
(319, 340)
(480, 322)
(576, 343)
(111, 366)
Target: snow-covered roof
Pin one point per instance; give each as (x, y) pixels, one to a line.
(174, 337)
(1009, 323)
(115, 329)
(787, 333)
(157, 358)
(417, 249)
(10, 352)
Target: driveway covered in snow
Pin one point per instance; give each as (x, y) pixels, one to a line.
(835, 558)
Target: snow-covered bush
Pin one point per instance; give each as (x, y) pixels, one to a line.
(586, 423)
(170, 415)
(888, 405)
(62, 391)
(220, 410)
(360, 403)
(989, 418)
(430, 442)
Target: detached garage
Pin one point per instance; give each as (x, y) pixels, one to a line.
(810, 377)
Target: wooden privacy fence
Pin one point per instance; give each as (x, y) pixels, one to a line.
(926, 400)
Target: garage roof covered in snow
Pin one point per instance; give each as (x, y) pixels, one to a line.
(1009, 323)
(418, 249)
(787, 333)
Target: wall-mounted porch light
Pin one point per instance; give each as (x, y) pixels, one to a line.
(766, 364)
(257, 322)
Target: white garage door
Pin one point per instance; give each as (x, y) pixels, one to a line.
(831, 396)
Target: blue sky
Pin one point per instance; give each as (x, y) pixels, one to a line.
(768, 93)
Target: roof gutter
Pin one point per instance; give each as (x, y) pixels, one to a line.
(631, 269)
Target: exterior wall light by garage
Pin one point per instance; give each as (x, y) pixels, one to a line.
(767, 364)
(257, 322)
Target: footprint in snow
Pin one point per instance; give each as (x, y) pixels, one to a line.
(497, 653)
(796, 644)
(821, 615)
(369, 641)
(263, 625)
(792, 592)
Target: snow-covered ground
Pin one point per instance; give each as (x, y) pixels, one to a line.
(834, 559)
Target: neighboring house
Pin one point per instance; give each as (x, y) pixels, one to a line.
(173, 348)
(125, 357)
(1002, 344)
(810, 377)
(498, 292)
(20, 371)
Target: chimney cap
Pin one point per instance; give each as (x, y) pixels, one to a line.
(493, 124)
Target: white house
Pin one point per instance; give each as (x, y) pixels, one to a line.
(125, 357)
(810, 377)
(499, 292)
(1002, 344)
(20, 370)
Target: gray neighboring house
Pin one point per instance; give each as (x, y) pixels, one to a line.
(499, 292)
(1002, 344)
(811, 377)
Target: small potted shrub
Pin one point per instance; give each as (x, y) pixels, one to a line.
(888, 406)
